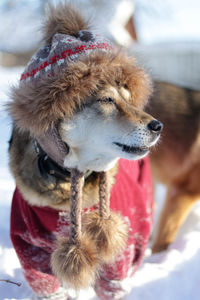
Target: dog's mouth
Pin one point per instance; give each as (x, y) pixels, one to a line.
(132, 149)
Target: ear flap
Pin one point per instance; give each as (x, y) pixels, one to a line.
(53, 145)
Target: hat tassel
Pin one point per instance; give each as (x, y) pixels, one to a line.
(107, 229)
(75, 260)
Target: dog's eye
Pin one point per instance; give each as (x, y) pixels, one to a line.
(106, 100)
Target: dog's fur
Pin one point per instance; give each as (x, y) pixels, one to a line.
(97, 104)
(176, 160)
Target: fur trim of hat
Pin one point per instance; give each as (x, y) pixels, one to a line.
(36, 108)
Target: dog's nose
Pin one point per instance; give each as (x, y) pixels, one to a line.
(155, 126)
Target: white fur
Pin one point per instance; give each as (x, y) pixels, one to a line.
(90, 137)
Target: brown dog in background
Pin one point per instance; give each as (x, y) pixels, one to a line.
(176, 160)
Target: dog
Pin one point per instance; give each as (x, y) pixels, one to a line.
(176, 160)
(80, 134)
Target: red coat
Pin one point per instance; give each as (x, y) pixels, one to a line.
(33, 231)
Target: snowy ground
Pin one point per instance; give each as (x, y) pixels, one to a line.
(174, 274)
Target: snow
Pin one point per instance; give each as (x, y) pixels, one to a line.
(173, 274)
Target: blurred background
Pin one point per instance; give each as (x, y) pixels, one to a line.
(164, 35)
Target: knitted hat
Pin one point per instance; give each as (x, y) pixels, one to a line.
(74, 64)
(64, 49)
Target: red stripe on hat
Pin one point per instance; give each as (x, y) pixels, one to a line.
(64, 54)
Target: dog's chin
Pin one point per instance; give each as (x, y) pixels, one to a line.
(131, 152)
(98, 162)
(94, 163)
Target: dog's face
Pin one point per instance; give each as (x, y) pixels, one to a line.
(108, 128)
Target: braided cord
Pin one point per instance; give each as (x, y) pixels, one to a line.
(104, 196)
(77, 180)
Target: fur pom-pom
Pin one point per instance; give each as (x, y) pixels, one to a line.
(75, 265)
(110, 235)
(63, 19)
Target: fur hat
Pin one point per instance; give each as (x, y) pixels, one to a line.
(72, 65)
(59, 52)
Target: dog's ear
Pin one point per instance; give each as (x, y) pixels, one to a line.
(63, 19)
